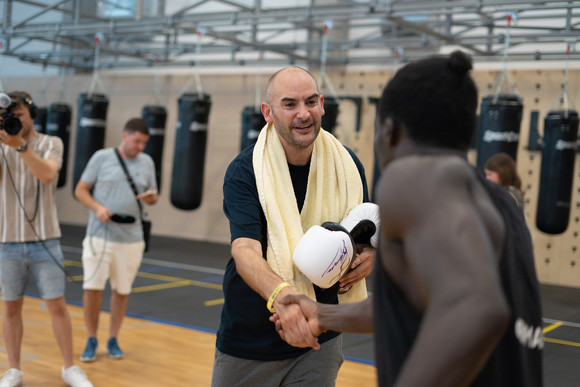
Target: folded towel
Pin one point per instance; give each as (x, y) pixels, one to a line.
(334, 188)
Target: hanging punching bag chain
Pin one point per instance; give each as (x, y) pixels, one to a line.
(505, 75)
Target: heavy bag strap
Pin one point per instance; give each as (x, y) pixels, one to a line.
(130, 180)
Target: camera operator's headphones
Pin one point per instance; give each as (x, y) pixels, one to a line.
(27, 101)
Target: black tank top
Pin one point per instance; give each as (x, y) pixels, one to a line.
(517, 360)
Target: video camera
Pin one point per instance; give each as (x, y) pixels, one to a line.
(10, 123)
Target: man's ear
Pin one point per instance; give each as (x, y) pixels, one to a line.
(394, 130)
(384, 129)
(267, 112)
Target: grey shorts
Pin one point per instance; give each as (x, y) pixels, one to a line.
(41, 260)
(314, 368)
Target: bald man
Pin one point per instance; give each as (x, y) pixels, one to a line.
(266, 219)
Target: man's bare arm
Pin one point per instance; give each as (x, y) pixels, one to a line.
(256, 272)
(83, 194)
(449, 255)
(46, 170)
(354, 317)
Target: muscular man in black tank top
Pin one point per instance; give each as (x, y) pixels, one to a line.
(456, 299)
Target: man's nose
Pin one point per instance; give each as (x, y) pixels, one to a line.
(303, 112)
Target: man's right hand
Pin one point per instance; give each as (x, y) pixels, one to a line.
(309, 310)
(103, 214)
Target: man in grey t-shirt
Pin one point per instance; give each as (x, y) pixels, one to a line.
(113, 245)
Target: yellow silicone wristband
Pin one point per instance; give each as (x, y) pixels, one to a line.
(270, 304)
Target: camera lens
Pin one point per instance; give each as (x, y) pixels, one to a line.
(11, 124)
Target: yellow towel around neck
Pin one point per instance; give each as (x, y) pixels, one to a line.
(334, 188)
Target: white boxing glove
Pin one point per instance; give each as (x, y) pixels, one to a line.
(324, 254)
(362, 222)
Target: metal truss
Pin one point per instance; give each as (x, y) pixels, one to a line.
(250, 33)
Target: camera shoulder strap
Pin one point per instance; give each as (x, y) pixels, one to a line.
(130, 180)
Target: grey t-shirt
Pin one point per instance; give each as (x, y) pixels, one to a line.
(111, 189)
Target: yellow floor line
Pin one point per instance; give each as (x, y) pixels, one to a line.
(160, 277)
(214, 302)
(167, 285)
(564, 342)
(552, 327)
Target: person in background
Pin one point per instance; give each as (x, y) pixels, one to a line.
(30, 237)
(501, 169)
(113, 245)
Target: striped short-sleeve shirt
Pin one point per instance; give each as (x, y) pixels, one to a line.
(28, 207)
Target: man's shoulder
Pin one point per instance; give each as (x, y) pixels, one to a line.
(102, 155)
(424, 170)
(414, 183)
(104, 152)
(145, 157)
(242, 164)
(44, 138)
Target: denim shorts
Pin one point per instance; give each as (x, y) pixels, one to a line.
(18, 261)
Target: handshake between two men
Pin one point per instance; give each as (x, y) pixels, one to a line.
(333, 252)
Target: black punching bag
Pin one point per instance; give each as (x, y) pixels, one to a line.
(91, 124)
(557, 171)
(155, 117)
(189, 153)
(330, 114)
(40, 120)
(252, 123)
(58, 124)
(499, 127)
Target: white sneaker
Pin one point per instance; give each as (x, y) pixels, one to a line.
(12, 378)
(75, 377)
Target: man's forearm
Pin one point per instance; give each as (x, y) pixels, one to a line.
(87, 199)
(45, 170)
(253, 268)
(354, 317)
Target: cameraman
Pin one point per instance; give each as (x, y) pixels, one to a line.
(29, 234)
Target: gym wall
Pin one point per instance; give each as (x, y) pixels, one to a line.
(557, 256)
